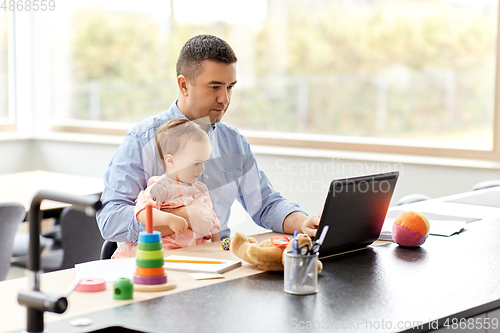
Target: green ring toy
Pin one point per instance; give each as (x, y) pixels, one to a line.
(149, 263)
(149, 255)
(150, 246)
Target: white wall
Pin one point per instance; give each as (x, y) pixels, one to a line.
(16, 156)
(81, 158)
(306, 180)
(301, 179)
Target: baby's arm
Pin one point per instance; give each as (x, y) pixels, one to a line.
(164, 222)
(179, 211)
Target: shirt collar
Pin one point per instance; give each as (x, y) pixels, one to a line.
(209, 128)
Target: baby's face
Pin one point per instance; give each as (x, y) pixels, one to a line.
(189, 161)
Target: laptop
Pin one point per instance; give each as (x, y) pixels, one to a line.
(354, 211)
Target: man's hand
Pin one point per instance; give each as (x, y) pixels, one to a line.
(216, 237)
(310, 225)
(199, 216)
(304, 224)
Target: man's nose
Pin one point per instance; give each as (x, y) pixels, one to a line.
(224, 96)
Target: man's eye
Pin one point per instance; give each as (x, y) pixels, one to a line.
(230, 87)
(214, 87)
(196, 164)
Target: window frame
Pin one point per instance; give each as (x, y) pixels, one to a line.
(9, 123)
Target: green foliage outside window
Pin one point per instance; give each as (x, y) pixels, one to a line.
(406, 69)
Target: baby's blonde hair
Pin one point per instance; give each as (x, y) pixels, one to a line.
(174, 134)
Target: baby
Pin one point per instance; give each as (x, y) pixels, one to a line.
(183, 148)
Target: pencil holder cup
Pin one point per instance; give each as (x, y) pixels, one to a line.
(301, 274)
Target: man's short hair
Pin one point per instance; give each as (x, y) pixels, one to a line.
(199, 48)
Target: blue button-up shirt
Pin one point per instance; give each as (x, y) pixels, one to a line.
(230, 173)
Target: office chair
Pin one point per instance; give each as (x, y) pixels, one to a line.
(11, 215)
(81, 242)
(22, 244)
(486, 184)
(108, 248)
(411, 198)
(50, 239)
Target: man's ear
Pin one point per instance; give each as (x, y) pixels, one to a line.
(182, 82)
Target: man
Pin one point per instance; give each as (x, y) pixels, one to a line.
(206, 75)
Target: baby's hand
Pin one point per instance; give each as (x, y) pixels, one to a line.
(177, 224)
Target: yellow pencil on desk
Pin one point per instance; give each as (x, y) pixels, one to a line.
(194, 261)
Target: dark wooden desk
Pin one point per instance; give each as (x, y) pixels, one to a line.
(383, 289)
(380, 287)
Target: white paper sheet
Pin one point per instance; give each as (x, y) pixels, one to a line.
(108, 269)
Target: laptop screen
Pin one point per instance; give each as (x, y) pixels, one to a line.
(355, 210)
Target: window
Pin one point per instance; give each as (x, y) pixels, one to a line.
(115, 60)
(416, 70)
(110, 63)
(4, 77)
(421, 71)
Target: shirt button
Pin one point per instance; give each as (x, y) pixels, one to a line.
(154, 199)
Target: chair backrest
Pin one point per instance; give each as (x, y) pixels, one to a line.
(11, 215)
(486, 184)
(411, 198)
(108, 248)
(81, 238)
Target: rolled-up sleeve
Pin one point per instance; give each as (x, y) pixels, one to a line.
(267, 207)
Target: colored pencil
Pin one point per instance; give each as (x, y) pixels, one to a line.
(194, 261)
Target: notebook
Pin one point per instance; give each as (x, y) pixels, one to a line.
(445, 228)
(224, 266)
(440, 225)
(355, 210)
(491, 199)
